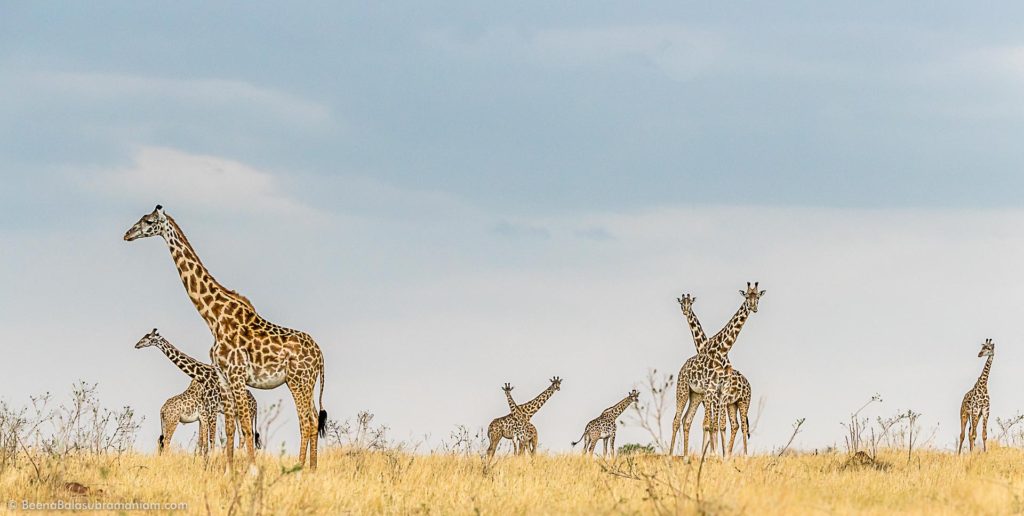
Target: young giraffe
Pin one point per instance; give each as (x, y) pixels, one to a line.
(188, 407)
(603, 427)
(514, 425)
(709, 365)
(204, 379)
(736, 389)
(975, 405)
(247, 350)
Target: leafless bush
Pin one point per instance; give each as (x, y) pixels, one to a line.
(654, 407)
(857, 428)
(1007, 435)
(463, 441)
(45, 433)
(359, 434)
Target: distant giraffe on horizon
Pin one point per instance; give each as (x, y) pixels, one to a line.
(514, 426)
(736, 394)
(209, 388)
(705, 367)
(248, 350)
(975, 405)
(603, 426)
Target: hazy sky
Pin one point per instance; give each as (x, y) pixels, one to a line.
(449, 197)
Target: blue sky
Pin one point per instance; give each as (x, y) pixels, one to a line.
(443, 184)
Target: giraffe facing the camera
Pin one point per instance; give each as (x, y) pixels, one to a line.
(975, 406)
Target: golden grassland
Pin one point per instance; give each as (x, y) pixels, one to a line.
(400, 483)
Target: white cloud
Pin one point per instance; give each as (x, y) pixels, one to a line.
(207, 183)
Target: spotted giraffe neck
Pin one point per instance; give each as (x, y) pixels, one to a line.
(726, 337)
(512, 406)
(204, 291)
(696, 330)
(983, 379)
(617, 409)
(531, 407)
(190, 366)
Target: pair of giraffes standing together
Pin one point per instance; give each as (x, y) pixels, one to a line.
(248, 351)
(706, 378)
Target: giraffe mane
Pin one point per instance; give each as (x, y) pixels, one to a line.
(184, 239)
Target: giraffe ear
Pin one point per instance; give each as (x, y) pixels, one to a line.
(761, 293)
(743, 292)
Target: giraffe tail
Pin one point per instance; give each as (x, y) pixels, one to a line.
(256, 433)
(321, 424)
(574, 443)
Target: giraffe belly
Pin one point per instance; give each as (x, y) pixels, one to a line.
(266, 379)
(189, 417)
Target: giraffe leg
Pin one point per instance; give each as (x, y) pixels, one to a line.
(170, 425)
(212, 436)
(533, 441)
(236, 381)
(744, 410)
(984, 430)
(612, 444)
(974, 430)
(691, 410)
(732, 410)
(302, 393)
(201, 440)
(680, 405)
(494, 437)
(604, 447)
(963, 427)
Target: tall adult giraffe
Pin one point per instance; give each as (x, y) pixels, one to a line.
(707, 366)
(976, 403)
(248, 349)
(736, 393)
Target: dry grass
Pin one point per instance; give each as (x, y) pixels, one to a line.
(400, 483)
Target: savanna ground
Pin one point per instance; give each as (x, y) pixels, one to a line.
(403, 483)
(81, 453)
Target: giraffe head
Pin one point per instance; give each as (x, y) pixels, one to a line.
(150, 339)
(752, 295)
(507, 387)
(686, 302)
(556, 383)
(151, 224)
(634, 396)
(988, 348)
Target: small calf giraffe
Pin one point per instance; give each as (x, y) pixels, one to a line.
(188, 407)
(205, 387)
(516, 425)
(603, 427)
(975, 405)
